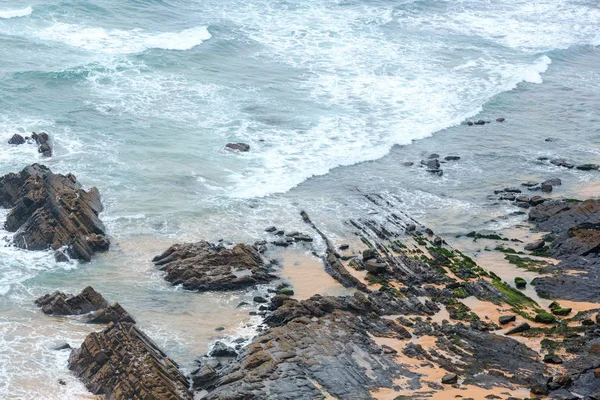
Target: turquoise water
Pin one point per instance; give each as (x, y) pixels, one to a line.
(332, 96)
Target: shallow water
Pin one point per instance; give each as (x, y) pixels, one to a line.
(142, 106)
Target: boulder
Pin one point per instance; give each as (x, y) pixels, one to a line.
(220, 349)
(202, 266)
(241, 147)
(552, 359)
(520, 283)
(452, 158)
(552, 182)
(505, 319)
(16, 139)
(375, 267)
(501, 119)
(450, 379)
(535, 245)
(369, 254)
(43, 141)
(53, 211)
(433, 164)
(122, 363)
(519, 328)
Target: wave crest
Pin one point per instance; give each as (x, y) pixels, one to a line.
(117, 41)
(7, 14)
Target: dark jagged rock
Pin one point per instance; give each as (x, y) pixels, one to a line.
(43, 141)
(16, 139)
(122, 363)
(88, 301)
(58, 303)
(501, 119)
(203, 266)
(51, 211)
(452, 158)
(241, 147)
(220, 349)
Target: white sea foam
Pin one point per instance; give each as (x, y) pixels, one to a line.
(7, 14)
(376, 88)
(116, 41)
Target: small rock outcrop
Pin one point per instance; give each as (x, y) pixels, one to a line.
(122, 363)
(16, 139)
(241, 147)
(203, 266)
(87, 302)
(43, 142)
(58, 303)
(53, 211)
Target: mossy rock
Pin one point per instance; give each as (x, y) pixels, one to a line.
(554, 305)
(544, 317)
(520, 283)
(561, 311)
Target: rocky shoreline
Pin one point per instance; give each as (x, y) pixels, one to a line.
(406, 331)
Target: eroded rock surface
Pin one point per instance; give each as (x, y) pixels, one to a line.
(203, 266)
(122, 363)
(53, 211)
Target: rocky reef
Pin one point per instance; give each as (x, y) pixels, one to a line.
(203, 266)
(53, 211)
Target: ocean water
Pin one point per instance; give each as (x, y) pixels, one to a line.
(333, 97)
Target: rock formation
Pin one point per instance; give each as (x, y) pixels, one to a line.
(87, 302)
(203, 266)
(122, 363)
(53, 211)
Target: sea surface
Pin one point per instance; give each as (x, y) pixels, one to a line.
(140, 97)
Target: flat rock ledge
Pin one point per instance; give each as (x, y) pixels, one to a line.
(122, 363)
(203, 266)
(87, 302)
(53, 211)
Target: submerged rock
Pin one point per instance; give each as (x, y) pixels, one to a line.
(53, 211)
(203, 266)
(241, 147)
(122, 363)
